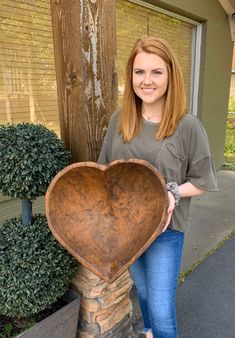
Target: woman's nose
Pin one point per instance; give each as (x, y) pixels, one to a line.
(147, 79)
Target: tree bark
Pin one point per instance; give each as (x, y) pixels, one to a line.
(85, 57)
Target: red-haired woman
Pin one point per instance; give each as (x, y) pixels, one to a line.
(153, 125)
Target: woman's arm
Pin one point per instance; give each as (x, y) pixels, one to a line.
(189, 190)
(185, 190)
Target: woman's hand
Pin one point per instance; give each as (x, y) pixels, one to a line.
(186, 189)
(170, 209)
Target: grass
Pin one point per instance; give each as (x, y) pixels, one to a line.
(229, 162)
(229, 150)
(185, 273)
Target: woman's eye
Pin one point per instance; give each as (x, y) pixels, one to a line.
(138, 72)
(157, 72)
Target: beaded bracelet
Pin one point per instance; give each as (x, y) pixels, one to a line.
(174, 189)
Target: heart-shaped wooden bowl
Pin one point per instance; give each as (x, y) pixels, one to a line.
(107, 215)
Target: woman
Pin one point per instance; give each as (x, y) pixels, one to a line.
(153, 125)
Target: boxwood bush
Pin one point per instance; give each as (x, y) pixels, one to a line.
(31, 155)
(34, 269)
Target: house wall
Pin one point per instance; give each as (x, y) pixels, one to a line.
(216, 60)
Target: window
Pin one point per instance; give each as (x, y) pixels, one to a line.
(28, 90)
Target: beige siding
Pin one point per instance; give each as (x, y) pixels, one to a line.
(27, 70)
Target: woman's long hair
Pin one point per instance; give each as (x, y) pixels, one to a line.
(174, 109)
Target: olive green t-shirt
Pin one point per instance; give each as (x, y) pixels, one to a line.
(183, 157)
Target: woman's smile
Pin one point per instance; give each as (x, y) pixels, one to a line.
(148, 90)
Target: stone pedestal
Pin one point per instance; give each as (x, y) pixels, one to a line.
(106, 309)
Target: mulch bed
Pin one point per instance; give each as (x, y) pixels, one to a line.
(11, 327)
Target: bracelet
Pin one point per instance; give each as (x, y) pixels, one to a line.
(174, 189)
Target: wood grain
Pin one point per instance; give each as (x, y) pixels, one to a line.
(106, 216)
(85, 47)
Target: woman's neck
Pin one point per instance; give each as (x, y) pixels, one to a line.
(152, 113)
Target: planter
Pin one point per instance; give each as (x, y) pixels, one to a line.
(61, 324)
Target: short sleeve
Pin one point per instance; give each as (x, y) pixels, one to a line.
(201, 170)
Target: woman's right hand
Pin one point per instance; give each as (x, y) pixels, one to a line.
(170, 209)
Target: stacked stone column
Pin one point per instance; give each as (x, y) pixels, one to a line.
(106, 309)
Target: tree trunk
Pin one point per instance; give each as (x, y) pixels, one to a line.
(27, 213)
(85, 56)
(85, 53)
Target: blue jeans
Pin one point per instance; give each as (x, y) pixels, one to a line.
(155, 275)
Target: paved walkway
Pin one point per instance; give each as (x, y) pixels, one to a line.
(212, 219)
(206, 299)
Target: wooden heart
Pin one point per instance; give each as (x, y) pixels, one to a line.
(106, 216)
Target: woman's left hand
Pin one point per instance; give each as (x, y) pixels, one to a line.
(170, 209)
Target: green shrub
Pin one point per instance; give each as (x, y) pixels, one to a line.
(229, 148)
(6, 331)
(31, 155)
(34, 269)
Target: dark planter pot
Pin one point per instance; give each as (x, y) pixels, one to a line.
(61, 324)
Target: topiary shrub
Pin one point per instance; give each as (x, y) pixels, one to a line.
(34, 269)
(31, 155)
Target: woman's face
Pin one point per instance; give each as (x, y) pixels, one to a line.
(150, 78)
